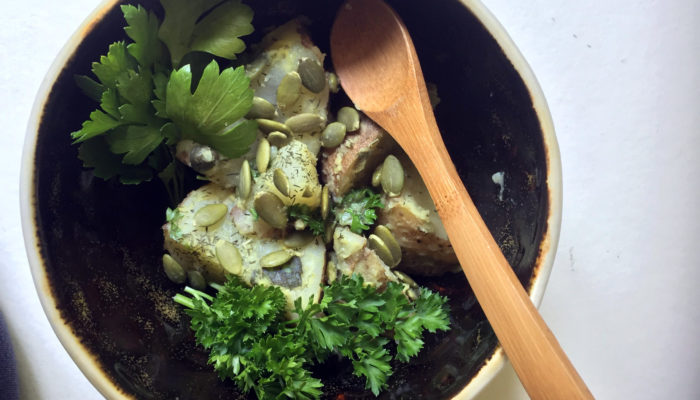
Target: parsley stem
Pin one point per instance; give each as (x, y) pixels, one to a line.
(183, 300)
(198, 294)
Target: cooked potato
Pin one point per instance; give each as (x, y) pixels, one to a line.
(351, 164)
(415, 223)
(194, 246)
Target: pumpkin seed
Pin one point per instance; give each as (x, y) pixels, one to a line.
(380, 248)
(392, 176)
(276, 258)
(269, 125)
(298, 239)
(262, 157)
(197, 280)
(289, 90)
(312, 75)
(305, 122)
(245, 180)
(281, 182)
(388, 238)
(210, 214)
(173, 269)
(377, 176)
(277, 139)
(333, 135)
(229, 257)
(406, 279)
(325, 202)
(349, 117)
(202, 158)
(261, 109)
(271, 209)
(333, 82)
(331, 271)
(328, 230)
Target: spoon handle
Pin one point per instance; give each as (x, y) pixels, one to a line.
(541, 364)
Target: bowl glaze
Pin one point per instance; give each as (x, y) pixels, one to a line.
(94, 247)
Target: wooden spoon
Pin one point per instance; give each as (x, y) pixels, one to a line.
(378, 68)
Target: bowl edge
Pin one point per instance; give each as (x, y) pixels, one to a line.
(85, 361)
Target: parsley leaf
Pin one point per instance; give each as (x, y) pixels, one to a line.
(122, 135)
(184, 30)
(358, 209)
(251, 343)
(142, 28)
(312, 219)
(211, 114)
(173, 217)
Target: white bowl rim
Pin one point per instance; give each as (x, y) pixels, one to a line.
(87, 362)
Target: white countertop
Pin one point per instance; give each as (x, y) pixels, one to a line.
(622, 79)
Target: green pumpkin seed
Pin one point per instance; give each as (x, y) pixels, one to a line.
(277, 139)
(392, 176)
(349, 117)
(312, 75)
(210, 214)
(331, 272)
(305, 122)
(271, 209)
(261, 109)
(388, 238)
(329, 229)
(333, 82)
(262, 157)
(173, 269)
(298, 239)
(333, 135)
(377, 176)
(281, 182)
(269, 125)
(229, 257)
(197, 280)
(325, 202)
(380, 248)
(406, 279)
(288, 90)
(276, 258)
(245, 180)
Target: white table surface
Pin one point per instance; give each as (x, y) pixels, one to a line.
(622, 79)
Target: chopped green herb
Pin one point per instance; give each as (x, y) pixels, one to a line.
(312, 218)
(358, 209)
(251, 343)
(173, 216)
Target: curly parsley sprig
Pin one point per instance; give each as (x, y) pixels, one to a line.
(251, 343)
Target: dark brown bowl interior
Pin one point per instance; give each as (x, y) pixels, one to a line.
(101, 242)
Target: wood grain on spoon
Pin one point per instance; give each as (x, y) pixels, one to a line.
(378, 67)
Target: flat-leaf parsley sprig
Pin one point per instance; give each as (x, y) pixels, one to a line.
(148, 102)
(252, 343)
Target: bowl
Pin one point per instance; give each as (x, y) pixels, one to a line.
(94, 247)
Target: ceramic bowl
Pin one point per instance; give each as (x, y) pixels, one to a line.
(95, 247)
